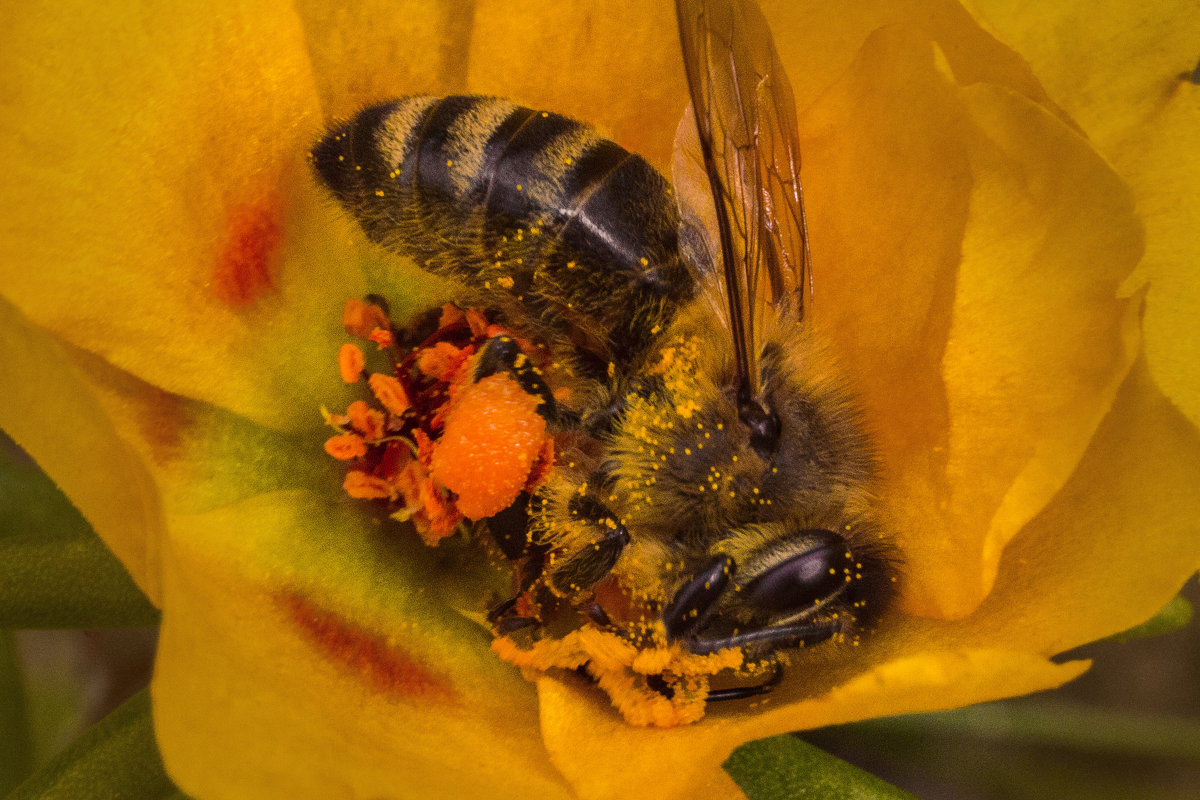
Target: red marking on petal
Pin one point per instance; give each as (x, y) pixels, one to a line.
(243, 271)
(387, 667)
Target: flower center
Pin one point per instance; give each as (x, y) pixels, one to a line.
(433, 444)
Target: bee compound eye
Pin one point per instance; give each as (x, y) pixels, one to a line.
(801, 580)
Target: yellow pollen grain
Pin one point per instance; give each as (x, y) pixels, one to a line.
(505, 281)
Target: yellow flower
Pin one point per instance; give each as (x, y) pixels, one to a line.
(173, 283)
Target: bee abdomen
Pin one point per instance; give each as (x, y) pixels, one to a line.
(578, 231)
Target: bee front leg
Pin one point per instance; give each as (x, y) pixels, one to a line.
(793, 635)
(586, 567)
(690, 606)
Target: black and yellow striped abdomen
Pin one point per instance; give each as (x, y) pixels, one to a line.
(577, 234)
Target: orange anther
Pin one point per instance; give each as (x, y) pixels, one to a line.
(366, 420)
(477, 322)
(382, 337)
(439, 360)
(346, 446)
(360, 318)
(360, 485)
(451, 314)
(389, 392)
(350, 363)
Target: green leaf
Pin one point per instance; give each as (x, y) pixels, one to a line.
(16, 755)
(59, 582)
(1170, 618)
(116, 757)
(1043, 723)
(54, 571)
(786, 768)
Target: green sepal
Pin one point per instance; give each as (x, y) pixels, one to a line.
(786, 768)
(55, 572)
(1174, 615)
(16, 754)
(116, 757)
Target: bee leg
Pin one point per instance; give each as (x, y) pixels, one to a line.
(502, 354)
(794, 635)
(531, 570)
(597, 614)
(509, 529)
(510, 624)
(659, 685)
(742, 692)
(584, 568)
(684, 615)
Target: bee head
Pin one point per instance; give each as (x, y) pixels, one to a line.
(785, 588)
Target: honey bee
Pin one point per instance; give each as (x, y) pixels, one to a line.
(712, 466)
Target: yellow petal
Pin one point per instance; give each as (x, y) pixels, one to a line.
(203, 457)
(966, 222)
(1115, 544)
(1110, 64)
(1040, 341)
(819, 41)
(615, 65)
(1137, 104)
(369, 51)
(677, 764)
(156, 202)
(50, 411)
(306, 654)
(1163, 165)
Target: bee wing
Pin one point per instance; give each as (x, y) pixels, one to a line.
(746, 148)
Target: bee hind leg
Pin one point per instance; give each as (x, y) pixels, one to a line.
(501, 353)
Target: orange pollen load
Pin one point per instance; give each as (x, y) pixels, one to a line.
(437, 446)
(493, 436)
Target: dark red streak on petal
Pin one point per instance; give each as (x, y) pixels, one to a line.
(243, 270)
(389, 669)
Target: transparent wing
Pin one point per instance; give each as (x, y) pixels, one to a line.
(745, 121)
